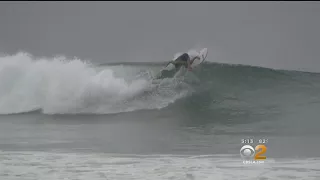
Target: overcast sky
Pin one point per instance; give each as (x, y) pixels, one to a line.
(270, 34)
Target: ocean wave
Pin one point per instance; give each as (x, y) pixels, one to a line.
(72, 86)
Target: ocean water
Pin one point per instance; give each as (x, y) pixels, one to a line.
(70, 119)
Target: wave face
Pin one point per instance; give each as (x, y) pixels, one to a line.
(72, 86)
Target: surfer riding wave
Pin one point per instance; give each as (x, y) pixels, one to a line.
(185, 59)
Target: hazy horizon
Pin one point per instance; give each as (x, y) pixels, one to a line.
(282, 35)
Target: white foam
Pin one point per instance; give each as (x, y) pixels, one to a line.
(61, 166)
(59, 85)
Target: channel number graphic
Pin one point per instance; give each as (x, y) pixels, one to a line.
(248, 152)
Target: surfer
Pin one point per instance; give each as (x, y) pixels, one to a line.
(186, 59)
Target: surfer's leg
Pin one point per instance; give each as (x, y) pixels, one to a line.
(175, 63)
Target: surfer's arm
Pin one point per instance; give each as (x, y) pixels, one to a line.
(197, 57)
(191, 61)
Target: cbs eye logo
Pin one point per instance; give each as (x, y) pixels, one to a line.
(248, 152)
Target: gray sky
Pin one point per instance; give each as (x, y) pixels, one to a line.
(270, 34)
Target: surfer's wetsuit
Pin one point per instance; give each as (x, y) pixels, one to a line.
(181, 60)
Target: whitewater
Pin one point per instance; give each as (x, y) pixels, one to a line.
(69, 86)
